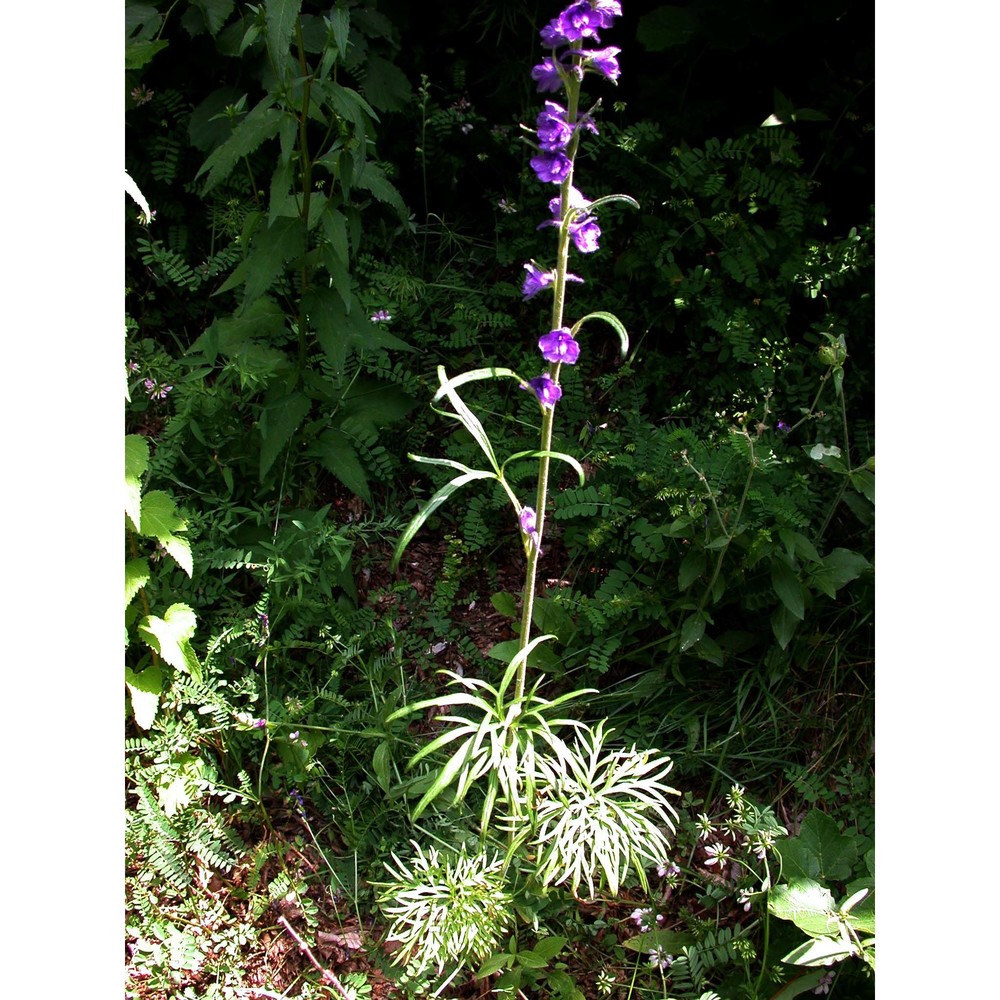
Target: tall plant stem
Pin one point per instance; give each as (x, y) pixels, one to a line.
(306, 180)
(548, 412)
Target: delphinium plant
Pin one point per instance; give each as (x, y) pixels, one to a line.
(581, 813)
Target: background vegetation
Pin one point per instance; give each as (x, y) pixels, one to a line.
(343, 202)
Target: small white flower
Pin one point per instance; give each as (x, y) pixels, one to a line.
(716, 854)
(705, 828)
(659, 959)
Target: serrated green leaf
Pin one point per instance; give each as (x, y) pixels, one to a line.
(180, 549)
(170, 636)
(386, 87)
(261, 124)
(338, 454)
(340, 23)
(144, 692)
(137, 575)
(272, 247)
(137, 54)
(373, 179)
(280, 18)
(160, 519)
(279, 420)
(136, 463)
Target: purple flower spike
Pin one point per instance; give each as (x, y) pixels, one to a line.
(551, 168)
(559, 345)
(547, 391)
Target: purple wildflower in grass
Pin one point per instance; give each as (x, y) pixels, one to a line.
(547, 391)
(554, 132)
(640, 918)
(551, 168)
(659, 959)
(546, 75)
(559, 345)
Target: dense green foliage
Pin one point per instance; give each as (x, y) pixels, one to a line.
(343, 204)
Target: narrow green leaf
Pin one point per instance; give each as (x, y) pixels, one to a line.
(340, 23)
(613, 321)
(432, 505)
(820, 952)
(466, 417)
(445, 777)
(559, 455)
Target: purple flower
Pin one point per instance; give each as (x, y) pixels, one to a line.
(551, 168)
(559, 345)
(554, 132)
(529, 525)
(585, 234)
(133, 366)
(259, 723)
(380, 317)
(537, 279)
(579, 20)
(547, 75)
(604, 61)
(547, 391)
(155, 391)
(783, 427)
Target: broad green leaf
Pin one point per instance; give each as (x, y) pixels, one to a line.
(530, 959)
(137, 54)
(691, 631)
(692, 566)
(160, 519)
(280, 19)
(271, 249)
(386, 86)
(279, 420)
(375, 404)
(549, 947)
(260, 124)
(228, 336)
(807, 904)
(338, 454)
(170, 637)
(864, 482)
(796, 544)
(215, 13)
(136, 577)
(783, 624)
(432, 505)
(543, 659)
(820, 851)
(506, 604)
(144, 691)
(788, 588)
(838, 567)
(494, 964)
(613, 321)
